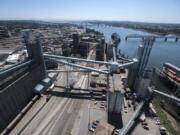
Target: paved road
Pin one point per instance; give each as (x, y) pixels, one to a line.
(60, 116)
(153, 128)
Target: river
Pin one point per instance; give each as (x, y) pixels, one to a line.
(161, 52)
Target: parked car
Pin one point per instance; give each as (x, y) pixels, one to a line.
(146, 127)
(91, 129)
(144, 123)
(163, 131)
(93, 126)
(158, 122)
(116, 132)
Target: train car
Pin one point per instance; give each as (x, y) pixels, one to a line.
(172, 71)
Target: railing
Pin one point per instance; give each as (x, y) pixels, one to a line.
(15, 67)
(114, 66)
(176, 38)
(175, 99)
(76, 59)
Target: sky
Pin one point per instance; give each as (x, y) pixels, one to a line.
(158, 11)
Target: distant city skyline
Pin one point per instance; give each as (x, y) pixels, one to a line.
(153, 11)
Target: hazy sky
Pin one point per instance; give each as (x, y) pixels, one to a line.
(167, 11)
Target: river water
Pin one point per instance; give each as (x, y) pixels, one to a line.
(161, 52)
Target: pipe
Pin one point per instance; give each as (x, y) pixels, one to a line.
(68, 71)
(79, 66)
(13, 68)
(14, 65)
(76, 59)
(165, 95)
(126, 64)
(129, 60)
(131, 122)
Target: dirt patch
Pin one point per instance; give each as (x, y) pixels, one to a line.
(174, 122)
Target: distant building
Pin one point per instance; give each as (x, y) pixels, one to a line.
(83, 44)
(75, 42)
(100, 50)
(13, 58)
(79, 48)
(109, 51)
(4, 32)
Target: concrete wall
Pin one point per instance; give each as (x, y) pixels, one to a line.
(16, 95)
(115, 102)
